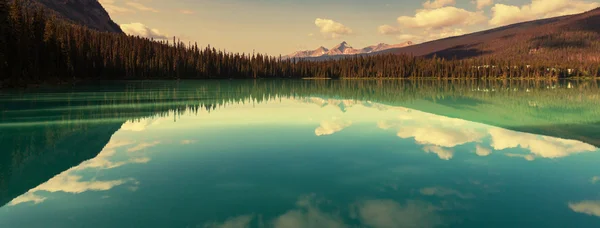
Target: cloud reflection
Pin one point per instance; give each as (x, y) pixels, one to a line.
(586, 207)
(307, 215)
(330, 127)
(390, 214)
(71, 182)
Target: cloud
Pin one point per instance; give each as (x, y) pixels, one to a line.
(71, 182)
(444, 154)
(330, 127)
(482, 151)
(410, 37)
(528, 157)
(143, 146)
(595, 179)
(445, 136)
(482, 3)
(307, 215)
(447, 32)
(540, 146)
(443, 192)
(441, 18)
(586, 207)
(188, 12)
(111, 8)
(141, 7)
(438, 4)
(234, 222)
(74, 184)
(388, 30)
(390, 214)
(139, 29)
(538, 9)
(27, 197)
(332, 29)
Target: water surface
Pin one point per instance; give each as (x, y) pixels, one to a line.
(302, 154)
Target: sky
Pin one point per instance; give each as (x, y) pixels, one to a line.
(277, 27)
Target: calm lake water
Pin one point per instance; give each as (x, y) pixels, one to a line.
(353, 153)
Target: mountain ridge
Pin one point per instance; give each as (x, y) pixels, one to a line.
(89, 13)
(344, 49)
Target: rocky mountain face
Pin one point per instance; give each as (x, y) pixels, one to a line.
(345, 49)
(89, 13)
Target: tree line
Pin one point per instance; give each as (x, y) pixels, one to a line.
(36, 47)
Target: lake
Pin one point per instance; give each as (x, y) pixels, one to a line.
(302, 153)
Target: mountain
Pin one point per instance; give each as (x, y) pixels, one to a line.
(572, 38)
(344, 49)
(89, 13)
(314, 53)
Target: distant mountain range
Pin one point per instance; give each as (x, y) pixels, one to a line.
(344, 49)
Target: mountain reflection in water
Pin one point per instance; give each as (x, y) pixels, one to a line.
(302, 154)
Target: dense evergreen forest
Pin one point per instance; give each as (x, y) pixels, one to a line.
(36, 47)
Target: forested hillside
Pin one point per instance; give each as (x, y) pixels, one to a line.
(36, 47)
(571, 39)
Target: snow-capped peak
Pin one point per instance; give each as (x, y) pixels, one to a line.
(345, 49)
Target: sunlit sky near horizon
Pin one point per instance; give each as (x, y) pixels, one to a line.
(283, 26)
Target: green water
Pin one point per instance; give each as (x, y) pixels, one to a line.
(306, 153)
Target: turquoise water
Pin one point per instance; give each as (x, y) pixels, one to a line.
(301, 154)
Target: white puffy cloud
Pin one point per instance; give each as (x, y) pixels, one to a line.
(409, 37)
(388, 30)
(538, 9)
(443, 153)
(441, 18)
(234, 222)
(434, 4)
(390, 214)
(332, 29)
(141, 7)
(482, 3)
(139, 29)
(330, 127)
(443, 192)
(447, 32)
(586, 207)
(482, 151)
